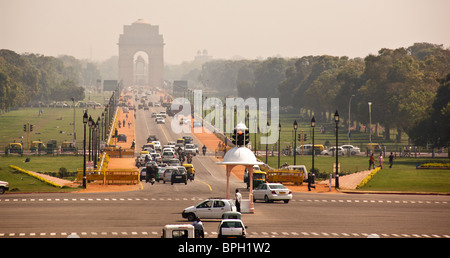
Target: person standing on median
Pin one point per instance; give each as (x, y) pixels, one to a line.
(238, 197)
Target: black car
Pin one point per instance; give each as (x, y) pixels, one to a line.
(179, 177)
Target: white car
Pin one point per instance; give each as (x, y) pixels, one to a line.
(160, 120)
(350, 149)
(4, 186)
(232, 228)
(161, 173)
(171, 144)
(270, 192)
(167, 176)
(209, 209)
(163, 114)
(157, 145)
(190, 148)
(331, 151)
(168, 155)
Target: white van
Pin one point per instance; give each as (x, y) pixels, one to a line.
(178, 231)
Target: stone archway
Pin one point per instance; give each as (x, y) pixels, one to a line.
(141, 36)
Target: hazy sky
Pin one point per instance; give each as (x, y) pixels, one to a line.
(226, 28)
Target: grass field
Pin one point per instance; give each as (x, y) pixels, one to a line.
(19, 182)
(402, 177)
(53, 124)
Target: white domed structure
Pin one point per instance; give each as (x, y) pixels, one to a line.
(239, 156)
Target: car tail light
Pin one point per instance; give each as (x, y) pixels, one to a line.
(273, 192)
(290, 192)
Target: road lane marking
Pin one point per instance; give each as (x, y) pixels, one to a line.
(160, 126)
(203, 182)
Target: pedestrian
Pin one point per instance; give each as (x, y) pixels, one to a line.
(372, 161)
(198, 228)
(311, 181)
(380, 160)
(238, 197)
(391, 160)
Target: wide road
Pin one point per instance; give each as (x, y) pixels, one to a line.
(143, 213)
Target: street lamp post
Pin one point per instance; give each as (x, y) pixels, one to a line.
(267, 141)
(313, 124)
(295, 142)
(370, 125)
(279, 136)
(85, 120)
(336, 119)
(90, 122)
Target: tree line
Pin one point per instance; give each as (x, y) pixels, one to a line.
(402, 84)
(32, 78)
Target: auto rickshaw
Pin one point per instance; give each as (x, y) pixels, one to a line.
(68, 147)
(259, 177)
(190, 170)
(373, 148)
(37, 145)
(14, 147)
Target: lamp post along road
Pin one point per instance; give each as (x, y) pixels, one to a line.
(279, 136)
(85, 121)
(313, 124)
(295, 142)
(336, 119)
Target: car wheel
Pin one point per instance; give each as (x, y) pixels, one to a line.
(286, 201)
(191, 217)
(266, 199)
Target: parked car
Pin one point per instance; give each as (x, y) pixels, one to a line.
(233, 228)
(350, 150)
(331, 151)
(270, 192)
(208, 209)
(4, 186)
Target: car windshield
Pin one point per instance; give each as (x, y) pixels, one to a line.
(277, 187)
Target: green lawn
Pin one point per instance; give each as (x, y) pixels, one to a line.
(402, 177)
(19, 182)
(53, 124)
(405, 177)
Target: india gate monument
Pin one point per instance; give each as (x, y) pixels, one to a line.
(141, 55)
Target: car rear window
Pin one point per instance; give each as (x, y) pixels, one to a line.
(232, 224)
